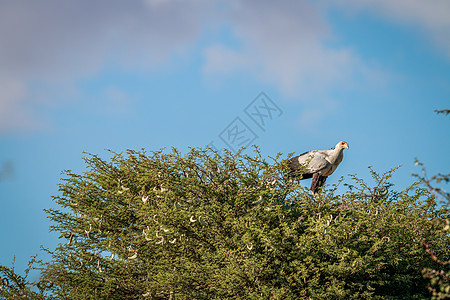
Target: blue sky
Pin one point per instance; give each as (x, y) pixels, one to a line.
(88, 76)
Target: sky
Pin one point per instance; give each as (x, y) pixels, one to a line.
(288, 76)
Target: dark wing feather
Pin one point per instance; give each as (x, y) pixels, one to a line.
(295, 166)
(317, 182)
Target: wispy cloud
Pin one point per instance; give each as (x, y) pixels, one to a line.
(282, 43)
(286, 44)
(15, 112)
(52, 41)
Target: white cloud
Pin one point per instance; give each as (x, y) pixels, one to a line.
(52, 41)
(15, 114)
(283, 43)
(53, 37)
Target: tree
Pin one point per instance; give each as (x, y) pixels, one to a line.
(439, 278)
(203, 226)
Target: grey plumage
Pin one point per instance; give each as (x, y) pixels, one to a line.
(317, 164)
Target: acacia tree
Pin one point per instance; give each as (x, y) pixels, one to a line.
(439, 278)
(203, 226)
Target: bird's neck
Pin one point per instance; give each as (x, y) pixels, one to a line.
(335, 154)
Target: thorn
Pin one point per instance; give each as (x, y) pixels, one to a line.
(200, 219)
(70, 239)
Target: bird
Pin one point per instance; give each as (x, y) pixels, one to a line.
(317, 164)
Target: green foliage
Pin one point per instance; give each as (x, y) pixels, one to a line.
(433, 182)
(204, 226)
(15, 286)
(439, 279)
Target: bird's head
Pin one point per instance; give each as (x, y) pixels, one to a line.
(342, 145)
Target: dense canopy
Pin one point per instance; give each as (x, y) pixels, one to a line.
(204, 226)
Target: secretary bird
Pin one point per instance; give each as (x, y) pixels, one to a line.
(317, 164)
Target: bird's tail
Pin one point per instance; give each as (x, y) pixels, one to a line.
(317, 182)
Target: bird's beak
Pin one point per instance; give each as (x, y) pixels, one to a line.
(346, 146)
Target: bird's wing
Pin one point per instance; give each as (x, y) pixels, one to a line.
(315, 161)
(326, 154)
(294, 163)
(297, 168)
